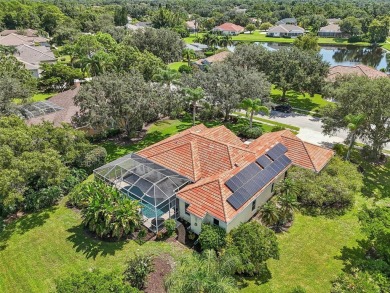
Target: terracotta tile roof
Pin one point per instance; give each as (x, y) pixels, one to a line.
(301, 153)
(212, 156)
(230, 27)
(66, 101)
(330, 28)
(13, 39)
(285, 28)
(361, 70)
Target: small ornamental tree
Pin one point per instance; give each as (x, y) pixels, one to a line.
(212, 237)
(254, 244)
(109, 212)
(250, 28)
(138, 269)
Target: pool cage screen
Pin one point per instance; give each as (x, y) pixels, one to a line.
(153, 185)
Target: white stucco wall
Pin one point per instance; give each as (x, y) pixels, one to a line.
(247, 213)
(182, 213)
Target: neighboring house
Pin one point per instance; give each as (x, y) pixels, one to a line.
(360, 70)
(229, 29)
(33, 56)
(27, 32)
(13, 39)
(208, 175)
(331, 30)
(292, 21)
(197, 47)
(333, 20)
(58, 109)
(214, 58)
(285, 30)
(192, 26)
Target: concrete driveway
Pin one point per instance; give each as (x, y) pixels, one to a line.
(311, 128)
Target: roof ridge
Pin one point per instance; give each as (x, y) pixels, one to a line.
(167, 140)
(307, 152)
(217, 141)
(223, 201)
(173, 148)
(194, 152)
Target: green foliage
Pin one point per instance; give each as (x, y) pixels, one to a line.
(94, 158)
(58, 76)
(250, 27)
(265, 26)
(351, 25)
(120, 16)
(203, 273)
(137, 270)
(170, 225)
(277, 128)
(185, 69)
(212, 237)
(94, 282)
(250, 132)
(331, 192)
(109, 213)
(35, 161)
(378, 30)
(254, 244)
(307, 42)
(356, 282)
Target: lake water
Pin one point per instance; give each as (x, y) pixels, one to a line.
(346, 55)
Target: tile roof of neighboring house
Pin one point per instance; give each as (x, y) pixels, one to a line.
(214, 58)
(230, 27)
(211, 156)
(361, 70)
(287, 20)
(285, 28)
(333, 20)
(34, 54)
(66, 101)
(331, 28)
(27, 32)
(191, 24)
(13, 39)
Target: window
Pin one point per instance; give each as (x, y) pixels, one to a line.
(272, 187)
(216, 222)
(185, 209)
(253, 205)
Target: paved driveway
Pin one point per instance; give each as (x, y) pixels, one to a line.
(311, 128)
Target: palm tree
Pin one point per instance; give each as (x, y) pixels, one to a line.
(194, 95)
(226, 40)
(269, 214)
(253, 106)
(211, 40)
(189, 54)
(354, 124)
(167, 76)
(286, 200)
(97, 63)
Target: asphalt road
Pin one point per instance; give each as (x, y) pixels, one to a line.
(310, 128)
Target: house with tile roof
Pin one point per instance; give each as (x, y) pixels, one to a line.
(33, 56)
(229, 28)
(218, 178)
(360, 70)
(285, 30)
(219, 57)
(14, 39)
(290, 20)
(330, 31)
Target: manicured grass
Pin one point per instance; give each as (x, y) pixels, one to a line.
(301, 101)
(64, 59)
(258, 36)
(37, 97)
(176, 65)
(42, 247)
(310, 254)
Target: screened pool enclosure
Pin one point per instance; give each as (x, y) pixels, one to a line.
(153, 185)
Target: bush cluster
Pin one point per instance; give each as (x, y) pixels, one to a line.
(212, 237)
(250, 133)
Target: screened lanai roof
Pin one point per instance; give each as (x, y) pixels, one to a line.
(38, 109)
(143, 178)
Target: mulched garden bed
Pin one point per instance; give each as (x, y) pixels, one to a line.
(162, 266)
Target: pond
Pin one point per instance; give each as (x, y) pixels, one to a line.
(346, 55)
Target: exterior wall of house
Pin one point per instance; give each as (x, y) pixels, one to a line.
(330, 34)
(182, 212)
(248, 213)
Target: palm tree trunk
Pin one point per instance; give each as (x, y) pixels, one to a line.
(251, 119)
(352, 142)
(193, 112)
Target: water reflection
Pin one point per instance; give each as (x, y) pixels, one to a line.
(348, 55)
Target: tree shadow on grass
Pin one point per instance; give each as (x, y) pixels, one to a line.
(24, 224)
(297, 100)
(92, 247)
(376, 180)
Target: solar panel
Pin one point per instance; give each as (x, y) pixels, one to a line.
(263, 161)
(277, 151)
(234, 202)
(231, 183)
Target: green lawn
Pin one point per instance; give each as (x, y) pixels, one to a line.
(301, 101)
(37, 97)
(176, 65)
(261, 37)
(295, 128)
(310, 254)
(42, 247)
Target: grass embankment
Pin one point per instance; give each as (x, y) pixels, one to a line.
(258, 36)
(37, 97)
(176, 65)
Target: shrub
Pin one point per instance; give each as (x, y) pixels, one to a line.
(208, 53)
(93, 159)
(109, 212)
(142, 234)
(212, 237)
(43, 198)
(75, 177)
(78, 197)
(277, 128)
(250, 133)
(94, 282)
(63, 59)
(170, 225)
(185, 69)
(138, 269)
(355, 282)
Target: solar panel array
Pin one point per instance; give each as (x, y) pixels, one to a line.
(252, 178)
